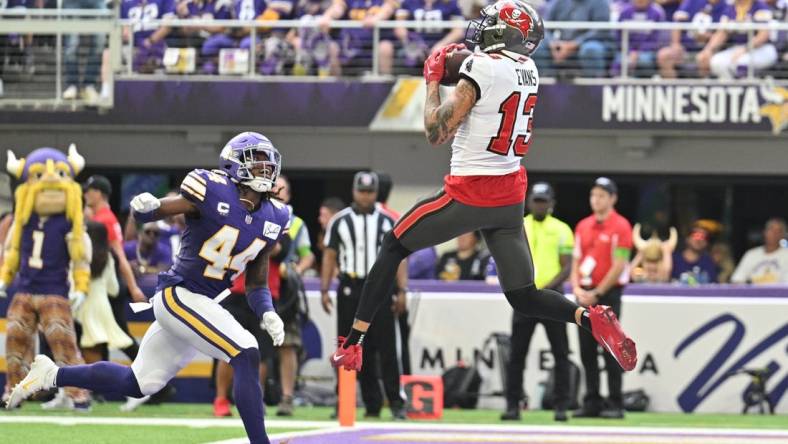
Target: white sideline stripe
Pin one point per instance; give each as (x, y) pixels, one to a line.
(285, 435)
(182, 422)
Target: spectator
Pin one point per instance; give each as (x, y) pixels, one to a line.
(551, 242)
(95, 44)
(195, 36)
(599, 272)
(467, 262)
(722, 256)
(99, 330)
(328, 208)
(642, 44)
(231, 37)
(654, 260)
(422, 263)
(148, 256)
(273, 49)
(669, 6)
(736, 59)
(298, 252)
(311, 45)
(684, 44)
(562, 48)
(415, 44)
(149, 40)
(97, 190)
(355, 43)
(767, 264)
(693, 264)
(779, 10)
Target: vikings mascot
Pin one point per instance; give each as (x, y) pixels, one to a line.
(46, 240)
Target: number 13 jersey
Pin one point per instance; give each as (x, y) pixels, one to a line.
(217, 244)
(497, 132)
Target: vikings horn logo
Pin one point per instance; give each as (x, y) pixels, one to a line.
(776, 106)
(48, 189)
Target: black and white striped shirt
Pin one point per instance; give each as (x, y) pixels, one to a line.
(357, 237)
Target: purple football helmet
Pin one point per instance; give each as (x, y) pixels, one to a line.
(249, 151)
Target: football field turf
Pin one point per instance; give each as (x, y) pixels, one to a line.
(193, 423)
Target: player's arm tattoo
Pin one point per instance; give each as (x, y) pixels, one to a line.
(441, 120)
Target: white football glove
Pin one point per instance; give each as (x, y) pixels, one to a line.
(273, 324)
(145, 203)
(76, 299)
(3, 292)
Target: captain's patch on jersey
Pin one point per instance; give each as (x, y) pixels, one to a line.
(271, 230)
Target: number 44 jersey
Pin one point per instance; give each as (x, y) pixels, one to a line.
(217, 245)
(497, 133)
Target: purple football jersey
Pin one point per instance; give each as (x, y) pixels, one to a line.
(248, 9)
(142, 12)
(430, 11)
(758, 12)
(358, 10)
(217, 245)
(701, 13)
(647, 40)
(208, 9)
(44, 258)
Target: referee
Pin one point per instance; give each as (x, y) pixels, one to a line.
(353, 238)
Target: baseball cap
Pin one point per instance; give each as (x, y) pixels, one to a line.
(542, 191)
(365, 181)
(606, 184)
(98, 182)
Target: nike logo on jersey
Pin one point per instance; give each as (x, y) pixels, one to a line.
(337, 358)
(271, 230)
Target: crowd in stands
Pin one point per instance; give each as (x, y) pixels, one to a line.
(319, 49)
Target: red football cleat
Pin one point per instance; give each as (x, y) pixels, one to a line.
(221, 407)
(608, 332)
(350, 357)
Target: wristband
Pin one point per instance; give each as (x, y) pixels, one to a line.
(259, 300)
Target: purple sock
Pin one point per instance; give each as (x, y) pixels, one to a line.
(102, 376)
(248, 395)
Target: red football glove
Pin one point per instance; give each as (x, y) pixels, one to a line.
(436, 62)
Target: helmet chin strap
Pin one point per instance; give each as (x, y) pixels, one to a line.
(259, 184)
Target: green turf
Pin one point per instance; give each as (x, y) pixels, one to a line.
(450, 416)
(114, 434)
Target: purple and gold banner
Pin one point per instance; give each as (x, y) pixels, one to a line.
(398, 106)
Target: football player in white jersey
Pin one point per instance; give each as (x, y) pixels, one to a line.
(489, 114)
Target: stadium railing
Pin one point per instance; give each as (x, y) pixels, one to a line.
(44, 84)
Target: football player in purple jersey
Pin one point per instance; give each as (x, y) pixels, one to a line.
(232, 223)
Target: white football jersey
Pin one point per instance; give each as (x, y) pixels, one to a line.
(497, 132)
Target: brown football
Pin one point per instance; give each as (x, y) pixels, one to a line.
(451, 71)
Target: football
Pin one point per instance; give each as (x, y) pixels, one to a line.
(451, 71)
